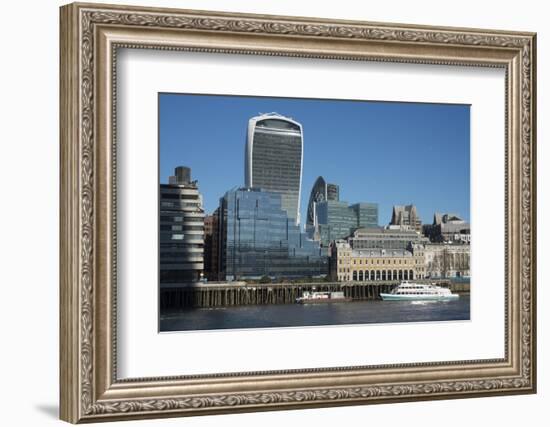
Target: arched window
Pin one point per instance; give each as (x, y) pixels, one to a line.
(361, 275)
(411, 274)
(355, 275)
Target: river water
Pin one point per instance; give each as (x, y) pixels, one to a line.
(345, 313)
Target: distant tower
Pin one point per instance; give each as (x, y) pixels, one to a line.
(274, 158)
(181, 229)
(406, 217)
(329, 218)
(183, 174)
(320, 192)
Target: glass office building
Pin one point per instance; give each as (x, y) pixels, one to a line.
(273, 159)
(337, 219)
(330, 219)
(257, 239)
(366, 214)
(320, 192)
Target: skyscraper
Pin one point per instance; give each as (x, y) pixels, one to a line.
(321, 192)
(329, 218)
(181, 229)
(273, 159)
(337, 219)
(258, 239)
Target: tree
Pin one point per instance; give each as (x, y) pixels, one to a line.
(265, 279)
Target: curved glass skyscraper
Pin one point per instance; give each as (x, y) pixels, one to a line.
(273, 159)
(321, 192)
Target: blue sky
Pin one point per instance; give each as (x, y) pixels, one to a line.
(390, 153)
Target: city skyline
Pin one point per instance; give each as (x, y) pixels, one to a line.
(382, 152)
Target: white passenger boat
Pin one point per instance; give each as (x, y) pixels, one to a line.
(409, 291)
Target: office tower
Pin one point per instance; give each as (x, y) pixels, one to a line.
(258, 239)
(406, 217)
(320, 192)
(337, 219)
(181, 233)
(366, 214)
(273, 159)
(329, 218)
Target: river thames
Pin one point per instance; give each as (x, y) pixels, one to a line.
(284, 315)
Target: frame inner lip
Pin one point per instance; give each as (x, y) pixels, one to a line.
(342, 370)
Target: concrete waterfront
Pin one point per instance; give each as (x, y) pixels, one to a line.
(226, 294)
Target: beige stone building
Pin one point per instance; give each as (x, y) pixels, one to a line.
(447, 260)
(407, 217)
(349, 264)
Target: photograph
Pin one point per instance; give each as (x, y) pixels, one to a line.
(264, 210)
(294, 212)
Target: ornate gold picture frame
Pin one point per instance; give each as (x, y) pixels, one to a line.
(91, 390)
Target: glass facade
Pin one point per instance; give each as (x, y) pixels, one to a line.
(337, 220)
(257, 239)
(330, 219)
(367, 214)
(273, 159)
(320, 192)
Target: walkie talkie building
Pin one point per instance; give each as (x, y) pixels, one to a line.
(273, 159)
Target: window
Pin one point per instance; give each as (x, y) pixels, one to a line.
(176, 228)
(177, 236)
